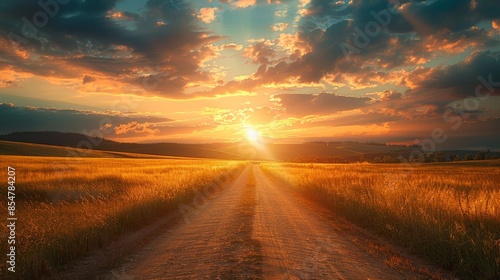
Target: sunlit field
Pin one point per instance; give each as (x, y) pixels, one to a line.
(67, 207)
(449, 214)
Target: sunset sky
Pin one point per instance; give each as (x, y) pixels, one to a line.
(294, 71)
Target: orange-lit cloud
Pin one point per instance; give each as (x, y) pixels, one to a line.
(280, 26)
(119, 15)
(260, 52)
(281, 13)
(135, 127)
(244, 3)
(496, 24)
(231, 46)
(295, 46)
(207, 15)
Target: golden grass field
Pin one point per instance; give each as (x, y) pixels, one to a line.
(66, 207)
(449, 214)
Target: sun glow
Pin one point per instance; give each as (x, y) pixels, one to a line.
(253, 135)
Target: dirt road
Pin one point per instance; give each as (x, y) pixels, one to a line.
(255, 229)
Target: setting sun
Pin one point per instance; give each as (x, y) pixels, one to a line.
(252, 135)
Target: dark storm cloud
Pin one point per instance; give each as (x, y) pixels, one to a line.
(258, 2)
(13, 118)
(66, 28)
(475, 81)
(360, 37)
(94, 36)
(455, 16)
(462, 79)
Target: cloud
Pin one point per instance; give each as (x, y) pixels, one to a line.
(434, 91)
(281, 26)
(7, 83)
(281, 13)
(327, 42)
(207, 15)
(231, 46)
(459, 80)
(88, 79)
(260, 52)
(294, 44)
(261, 115)
(118, 47)
(249, 3)
(496, 24)
(136, 128)
(244, 3)
(386, 95)
(15, 118)
(240, 3)
(318, 104)
(125, 16)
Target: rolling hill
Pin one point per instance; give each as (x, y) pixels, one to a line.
(21, 143)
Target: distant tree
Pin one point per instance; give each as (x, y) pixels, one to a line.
(362, 157)
(412, 159)
(429, 157)
(421, 158)
(388, 159)
(377, 160)
(469, 157)
(480, 155)
(456, 158)
(439, 157)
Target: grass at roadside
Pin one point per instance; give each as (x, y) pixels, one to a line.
(66, 210)
(447, 214)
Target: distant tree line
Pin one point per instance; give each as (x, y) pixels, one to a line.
(421, 158)
(325, 159)
(436, 157)
(326, 143)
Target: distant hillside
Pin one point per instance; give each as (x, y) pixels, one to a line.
(30, 149)
(52, 138)
(305, 152)
(287, 152)
(76, 140)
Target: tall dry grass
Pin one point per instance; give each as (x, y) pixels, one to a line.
(449, 214)
(68, 207)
